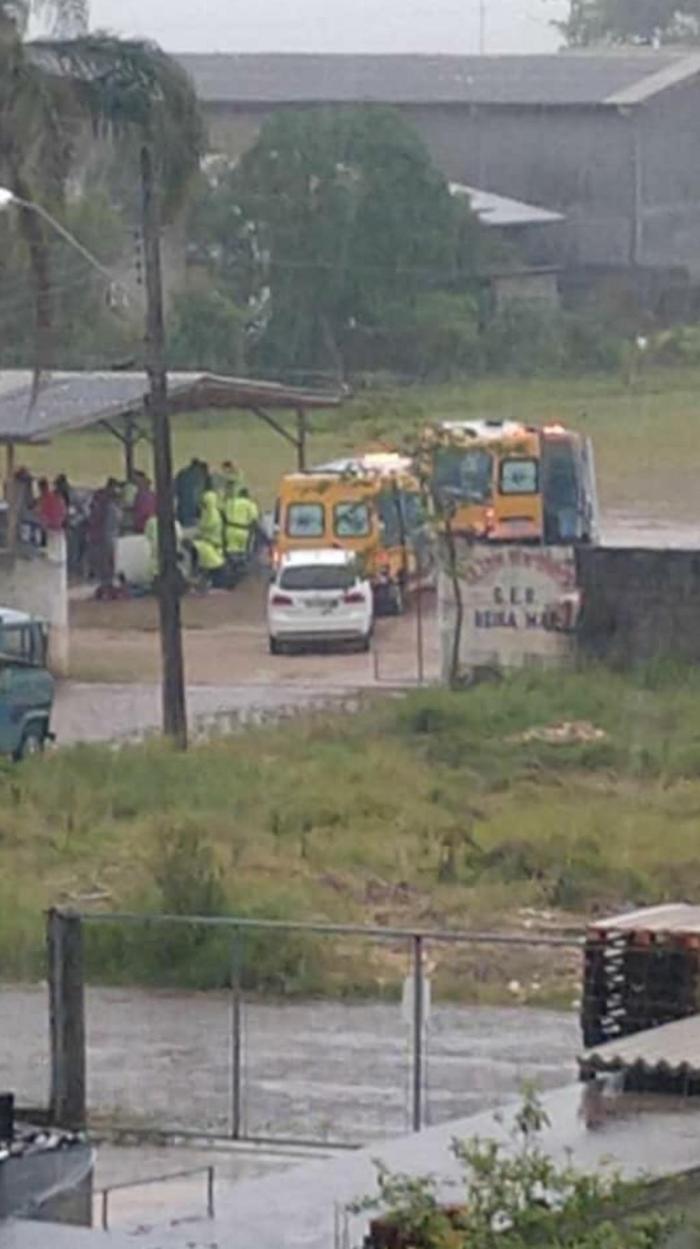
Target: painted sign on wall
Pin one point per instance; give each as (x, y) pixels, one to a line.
(507, 595)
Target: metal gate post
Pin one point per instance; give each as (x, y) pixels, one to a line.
(417, 1033)
(236, 1053)
(64, 938)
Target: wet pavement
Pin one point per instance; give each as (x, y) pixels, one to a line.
(625, 529)
(306, 1207)
(314, 1070)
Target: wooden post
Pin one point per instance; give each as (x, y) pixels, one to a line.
(11, 496)
(173, 670)
(129, 445)
(301, 440)
(67, 1019)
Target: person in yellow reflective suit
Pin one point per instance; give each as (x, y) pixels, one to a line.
(241, 516)
(209, 539)
(151, 535)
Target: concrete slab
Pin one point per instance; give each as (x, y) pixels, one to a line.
(299, 1209)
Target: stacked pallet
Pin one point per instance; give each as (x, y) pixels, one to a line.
(641, 970)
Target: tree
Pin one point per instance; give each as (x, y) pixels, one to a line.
(329, 220)
(49, 90)
(631, 21)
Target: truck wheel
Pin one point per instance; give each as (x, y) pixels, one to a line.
(274, 646)
(32, 743)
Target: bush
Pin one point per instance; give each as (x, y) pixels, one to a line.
(525, 339)
(207, 332)
(434, 337)
(591, 343)
(514, 1195)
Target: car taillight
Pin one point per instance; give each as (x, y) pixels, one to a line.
(354, 596)
(282, 600)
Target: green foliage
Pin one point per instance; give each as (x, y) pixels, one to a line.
(339, 215)
(631, 21)
(525, 340)
(436, 336)
(86, 331)
(437, 809)
(207, 331)
(513, 1195)
(133, 88)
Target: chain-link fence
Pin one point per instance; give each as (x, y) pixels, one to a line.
(317, 1034)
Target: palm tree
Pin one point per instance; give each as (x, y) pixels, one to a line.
(49, 89)
(137, 94)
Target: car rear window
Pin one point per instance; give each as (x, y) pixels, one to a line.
(318, 577)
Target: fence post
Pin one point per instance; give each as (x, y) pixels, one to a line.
(236, 1035)
(417, 1033)
(67, 1018)
(210, 1192)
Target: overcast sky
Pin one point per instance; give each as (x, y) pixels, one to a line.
(334, 25)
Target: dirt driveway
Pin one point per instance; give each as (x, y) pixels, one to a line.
(226, 644)
(115, 663)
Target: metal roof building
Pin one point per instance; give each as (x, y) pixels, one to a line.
(608, 138)
(574, 78)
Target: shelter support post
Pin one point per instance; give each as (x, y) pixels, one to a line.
(11, 496)
(130, 439)
(301, 440)
(67, 1019)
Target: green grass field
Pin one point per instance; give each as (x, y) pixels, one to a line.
(428, 811)
(647, 435)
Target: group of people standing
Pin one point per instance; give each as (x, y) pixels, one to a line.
(218, 506)
(217, 521)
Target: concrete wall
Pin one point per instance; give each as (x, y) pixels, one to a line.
(639, 605)
(505, 592)
(36, 581)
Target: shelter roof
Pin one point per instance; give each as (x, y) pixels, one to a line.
(75, 400)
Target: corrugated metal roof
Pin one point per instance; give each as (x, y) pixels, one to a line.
(673, 917)
(568, 78)
(75, 400)
(672, 1048)
(499, 210)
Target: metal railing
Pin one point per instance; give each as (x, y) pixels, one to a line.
(415, 943)
(105, 1193)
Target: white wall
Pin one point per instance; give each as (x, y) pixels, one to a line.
(36, 581)
(505, 590)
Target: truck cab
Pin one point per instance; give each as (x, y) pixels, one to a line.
(26, 685)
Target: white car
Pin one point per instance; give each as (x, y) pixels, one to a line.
(319, 596)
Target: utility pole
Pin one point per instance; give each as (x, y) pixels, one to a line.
(173, 673)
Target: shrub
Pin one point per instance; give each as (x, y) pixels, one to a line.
(207, 332)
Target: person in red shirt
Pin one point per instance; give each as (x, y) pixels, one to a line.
(51, 507)
(144, 503)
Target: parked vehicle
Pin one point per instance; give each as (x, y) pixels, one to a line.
(501, 481)
(26, 686)
(369, 505)
(319, 596)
